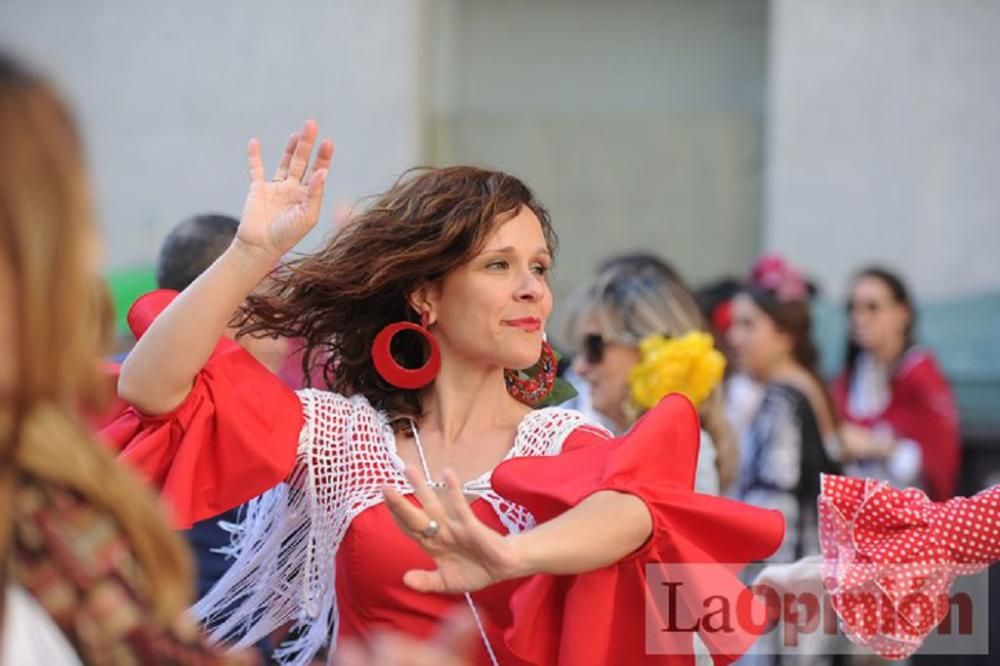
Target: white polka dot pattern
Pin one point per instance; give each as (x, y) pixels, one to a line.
(890, 557)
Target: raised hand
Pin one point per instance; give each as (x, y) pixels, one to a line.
(280, 212)
(468, 554)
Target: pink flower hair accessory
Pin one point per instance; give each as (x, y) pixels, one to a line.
(773, 273)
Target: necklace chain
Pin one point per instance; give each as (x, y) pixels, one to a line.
(468, 597)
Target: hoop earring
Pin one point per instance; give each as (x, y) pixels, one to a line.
(534, 388)
(391, 371)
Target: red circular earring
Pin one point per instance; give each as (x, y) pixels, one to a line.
(390, 369)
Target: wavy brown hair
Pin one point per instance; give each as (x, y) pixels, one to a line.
(48, 254)
(432, 221)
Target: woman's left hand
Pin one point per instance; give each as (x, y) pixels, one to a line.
(469, 555)
(862, 443)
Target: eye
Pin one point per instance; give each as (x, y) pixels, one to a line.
(540, 269)
(498, 264)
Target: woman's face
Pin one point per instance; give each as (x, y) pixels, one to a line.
(877, 320)
(758, 344)
(605, 366)
(494, 308)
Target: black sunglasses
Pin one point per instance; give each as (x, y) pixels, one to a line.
(593, 348)
(594, 345)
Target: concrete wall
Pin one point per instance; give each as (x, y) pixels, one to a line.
(168, 94)
(638, 123)
(649, 123)
(884, 140)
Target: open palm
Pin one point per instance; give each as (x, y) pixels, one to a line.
(468, 554)
(278, 213)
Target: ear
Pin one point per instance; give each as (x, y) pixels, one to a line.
(425, 298)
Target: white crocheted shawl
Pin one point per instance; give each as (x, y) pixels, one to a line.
(288, 537)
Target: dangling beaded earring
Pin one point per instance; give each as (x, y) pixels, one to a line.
(536, 385)
(390, 369)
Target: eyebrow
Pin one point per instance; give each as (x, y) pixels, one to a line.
(510, 249)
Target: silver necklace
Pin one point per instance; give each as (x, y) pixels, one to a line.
(434, 485)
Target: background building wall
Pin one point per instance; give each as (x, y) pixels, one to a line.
(884, 140)
(168, 94)
(639, 123)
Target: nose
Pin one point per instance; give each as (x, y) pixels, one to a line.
(581, 366)
(529, 288)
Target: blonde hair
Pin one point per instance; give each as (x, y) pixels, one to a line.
(48, 249)
(629, 303)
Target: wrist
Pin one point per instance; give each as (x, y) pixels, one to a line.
(251, 259)
(525, 559)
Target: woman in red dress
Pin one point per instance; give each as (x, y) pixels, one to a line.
(900, 418)
(543, 519)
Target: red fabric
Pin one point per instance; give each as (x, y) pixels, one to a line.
(220, 447)
(226, 444)
(886, 551)
(922, 408)
(371, 596)
(589, 619)
(601, 617)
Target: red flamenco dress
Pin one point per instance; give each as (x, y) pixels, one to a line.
(890, 557)
(318, 548)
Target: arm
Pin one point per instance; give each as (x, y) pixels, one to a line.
(159, 373)
(599, 531)
(862, 443)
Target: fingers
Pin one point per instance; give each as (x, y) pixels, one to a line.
(300, 158)
(427, 498)
(424, 581)
(412, 519)
(314, 196)
(254, 162)
(324, 155)
(454, 500)
(281, 172)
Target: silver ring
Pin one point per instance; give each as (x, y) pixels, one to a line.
(277, 179)
(431, 530)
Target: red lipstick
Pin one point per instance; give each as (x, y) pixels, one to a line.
(529, 324)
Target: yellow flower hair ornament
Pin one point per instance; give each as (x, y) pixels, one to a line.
(690, 365)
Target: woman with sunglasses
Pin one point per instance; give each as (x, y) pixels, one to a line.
(641, 336)
(900, 422)
(427, 315)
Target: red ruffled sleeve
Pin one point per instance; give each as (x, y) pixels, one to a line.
(886, 549)
(233, 437)
(621, 614)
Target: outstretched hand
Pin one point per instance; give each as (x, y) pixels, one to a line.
(468, 554)
(278, 213)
